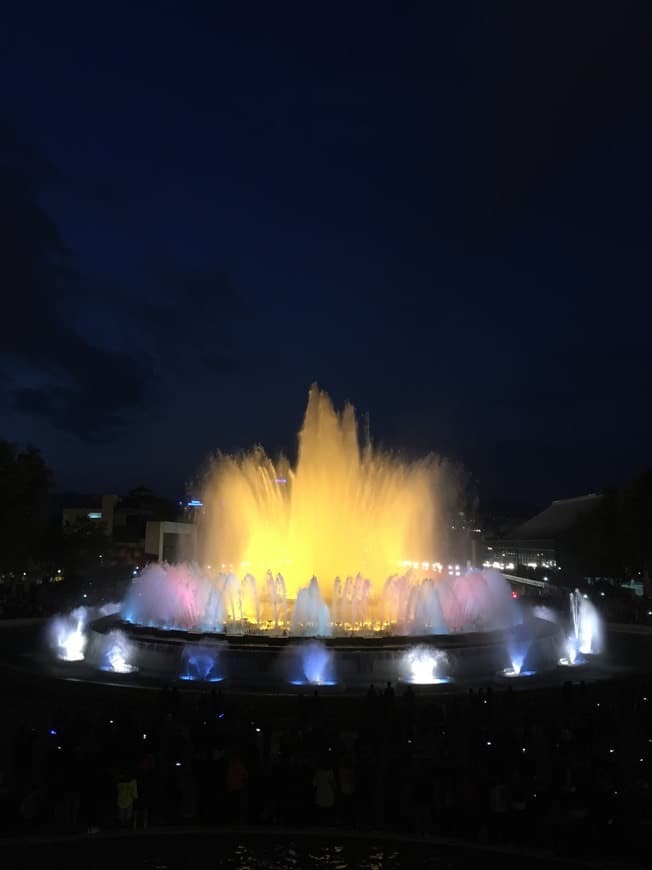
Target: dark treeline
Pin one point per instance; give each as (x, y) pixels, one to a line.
(614, 540)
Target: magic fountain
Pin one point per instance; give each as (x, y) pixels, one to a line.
(320, 549)
(338, 546)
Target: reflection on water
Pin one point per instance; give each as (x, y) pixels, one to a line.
(228, 850)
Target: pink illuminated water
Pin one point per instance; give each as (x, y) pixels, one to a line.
(183, 597)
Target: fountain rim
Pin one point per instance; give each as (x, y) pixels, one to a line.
(455, 640)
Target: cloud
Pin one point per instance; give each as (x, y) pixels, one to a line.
(63, 352)
(193, 311)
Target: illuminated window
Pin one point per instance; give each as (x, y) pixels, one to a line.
(95, 515)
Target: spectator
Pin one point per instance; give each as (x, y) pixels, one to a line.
(126, 795)
(236, 780)
(324, 785)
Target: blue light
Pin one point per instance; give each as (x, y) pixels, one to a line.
(201, 665)
(195, 503)
(316, 684)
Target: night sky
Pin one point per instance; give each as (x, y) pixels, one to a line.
(440, 211)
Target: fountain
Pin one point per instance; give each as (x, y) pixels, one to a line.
(586, 636)
(314, 663)
(117, 654)
(345, 515)
(422, 665)
(338, 546)
(519, 642)
(201, 663)
(587, 627)
(311, 615)
(67, 635)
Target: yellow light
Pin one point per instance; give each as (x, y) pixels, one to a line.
(346, 507)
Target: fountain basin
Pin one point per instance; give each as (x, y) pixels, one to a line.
(255, 661)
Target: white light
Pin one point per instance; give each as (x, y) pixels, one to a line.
(70, 636)
(422, 664)
(117, 654)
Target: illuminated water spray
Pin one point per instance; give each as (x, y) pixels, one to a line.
(319, 548)
(423, 665)
(586, 635)
(345, 507)
(518, 647)
(117, 653)
(201, 663)
(68, 635)
(312, 665)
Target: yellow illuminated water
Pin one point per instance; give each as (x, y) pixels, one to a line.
(345, 507)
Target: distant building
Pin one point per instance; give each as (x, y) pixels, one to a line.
(537, 542)
(138, 526)
(98, 510)
(170, 542)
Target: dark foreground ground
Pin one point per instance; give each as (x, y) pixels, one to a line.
(547, 772)
(273, 850)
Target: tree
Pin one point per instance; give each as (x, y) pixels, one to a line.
(25, 486)
(637, 524)
(614, 539)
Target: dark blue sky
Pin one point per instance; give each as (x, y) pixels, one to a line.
(440, 211)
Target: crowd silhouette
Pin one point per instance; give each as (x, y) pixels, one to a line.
(567, 768)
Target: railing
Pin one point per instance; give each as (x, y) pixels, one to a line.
(526, 581)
